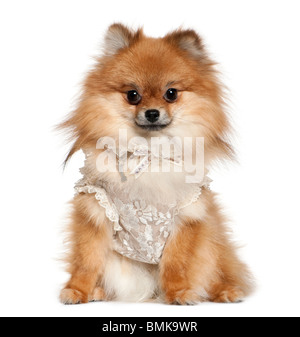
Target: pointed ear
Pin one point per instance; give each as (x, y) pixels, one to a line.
(119, 37)
(187, 40)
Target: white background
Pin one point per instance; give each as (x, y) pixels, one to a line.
(46, 48)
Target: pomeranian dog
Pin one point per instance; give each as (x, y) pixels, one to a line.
(145, 224)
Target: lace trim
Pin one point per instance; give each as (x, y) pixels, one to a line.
(101, 196)
(111, 210)
(197, 193)
(194, 199)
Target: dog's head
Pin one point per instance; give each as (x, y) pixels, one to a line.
(151, 87)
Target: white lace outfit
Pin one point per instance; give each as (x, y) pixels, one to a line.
(140, 230)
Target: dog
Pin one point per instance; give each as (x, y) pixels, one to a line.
(138, 231)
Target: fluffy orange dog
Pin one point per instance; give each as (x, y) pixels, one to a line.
(137, 231)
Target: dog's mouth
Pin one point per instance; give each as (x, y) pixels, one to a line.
(152, 127)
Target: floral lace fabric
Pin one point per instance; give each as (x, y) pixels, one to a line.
(140, 230)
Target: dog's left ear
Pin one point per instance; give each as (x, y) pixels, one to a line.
(119, 37)
(188, 40)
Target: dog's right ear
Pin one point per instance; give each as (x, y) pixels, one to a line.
(119, 37)
(187, 40)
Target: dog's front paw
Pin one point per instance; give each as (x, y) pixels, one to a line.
(229, 295)
(72, 296)
(183, 297)
(98, 295)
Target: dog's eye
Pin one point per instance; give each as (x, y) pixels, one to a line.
(133, 97)
(171, 95)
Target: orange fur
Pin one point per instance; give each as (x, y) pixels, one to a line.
(89, 248)
(199, 261)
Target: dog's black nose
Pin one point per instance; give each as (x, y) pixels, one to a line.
(152, 115)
